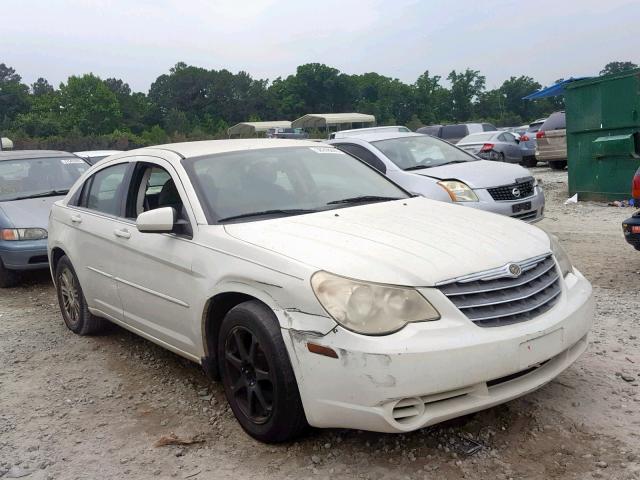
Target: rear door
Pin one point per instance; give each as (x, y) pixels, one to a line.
(93, 246)
(154, 273)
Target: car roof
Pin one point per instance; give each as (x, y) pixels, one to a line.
(96, 153)
(376, 136)
(211, 147)
(33, 154)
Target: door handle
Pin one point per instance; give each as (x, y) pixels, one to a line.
(76, 219)
(122, 233)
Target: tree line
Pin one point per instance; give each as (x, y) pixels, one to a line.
(192, 103)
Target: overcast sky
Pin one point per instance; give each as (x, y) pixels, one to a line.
(137, 40)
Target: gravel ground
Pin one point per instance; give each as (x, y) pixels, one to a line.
(92, 408)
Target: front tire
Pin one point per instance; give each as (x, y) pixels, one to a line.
(73, 305)
(257, 375)
(529, 162)
(557, 164)
(8, 278)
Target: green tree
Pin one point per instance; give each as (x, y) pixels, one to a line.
(465, 88)
(88, 105)
(431, 99)
(617, 67)
(134, 106)
(42, 87)
(14, 95)
(513, 90)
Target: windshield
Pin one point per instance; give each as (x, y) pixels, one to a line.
(477, 138)
(257, 184)
(421, 151)
(26, 178)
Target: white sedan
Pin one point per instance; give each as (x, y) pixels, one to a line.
(319, 291)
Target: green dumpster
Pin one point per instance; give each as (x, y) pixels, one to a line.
(603, 135)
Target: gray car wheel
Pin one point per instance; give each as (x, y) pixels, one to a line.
(73, 305)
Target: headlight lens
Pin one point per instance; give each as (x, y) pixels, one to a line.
(458, 191)
(370, 308)
(564, 262)
(16, 234)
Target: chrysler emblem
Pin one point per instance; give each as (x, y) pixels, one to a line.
(515, 270)
(516, 192)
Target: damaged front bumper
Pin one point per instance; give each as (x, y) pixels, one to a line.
(433, 371)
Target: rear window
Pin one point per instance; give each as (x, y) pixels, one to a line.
(555, 122)
(454, 131)
(487, 127)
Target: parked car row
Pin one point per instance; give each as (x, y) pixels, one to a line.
(456, 132)
(323, 271)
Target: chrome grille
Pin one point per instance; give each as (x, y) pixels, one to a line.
(496, 298)
(504, 193)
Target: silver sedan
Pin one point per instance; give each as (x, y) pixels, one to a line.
(436, 169)
(497, 146)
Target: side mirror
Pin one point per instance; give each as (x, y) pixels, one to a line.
(160, 220)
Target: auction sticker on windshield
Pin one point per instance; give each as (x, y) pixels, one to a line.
(70, 161)
(326, 150)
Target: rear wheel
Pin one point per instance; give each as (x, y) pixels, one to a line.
(73, 305)
(529, 162)
(500, 157)
(8, 278)
(557, 164)
(257, 375)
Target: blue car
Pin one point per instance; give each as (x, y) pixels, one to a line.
(30, 181)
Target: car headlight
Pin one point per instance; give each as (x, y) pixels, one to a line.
(458, 191)
(370, 308)
(564, 262)
(15, 234)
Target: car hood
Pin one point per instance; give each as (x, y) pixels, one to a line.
(416, 242)
(478, 174)
(30, 212)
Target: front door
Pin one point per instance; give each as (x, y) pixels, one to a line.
(154, 275)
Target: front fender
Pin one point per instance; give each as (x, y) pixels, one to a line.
(292, 301)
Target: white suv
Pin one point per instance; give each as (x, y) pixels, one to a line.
(318, 291)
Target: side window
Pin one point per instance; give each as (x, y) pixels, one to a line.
(152, 187)
(364, 155)
(103, 193)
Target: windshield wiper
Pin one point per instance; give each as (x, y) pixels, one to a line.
(288, 211)
(48, 193)
(363, 199)
(457, 161)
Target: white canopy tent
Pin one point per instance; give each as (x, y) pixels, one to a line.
(6, 144)
(341, 121)
(251, 129)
